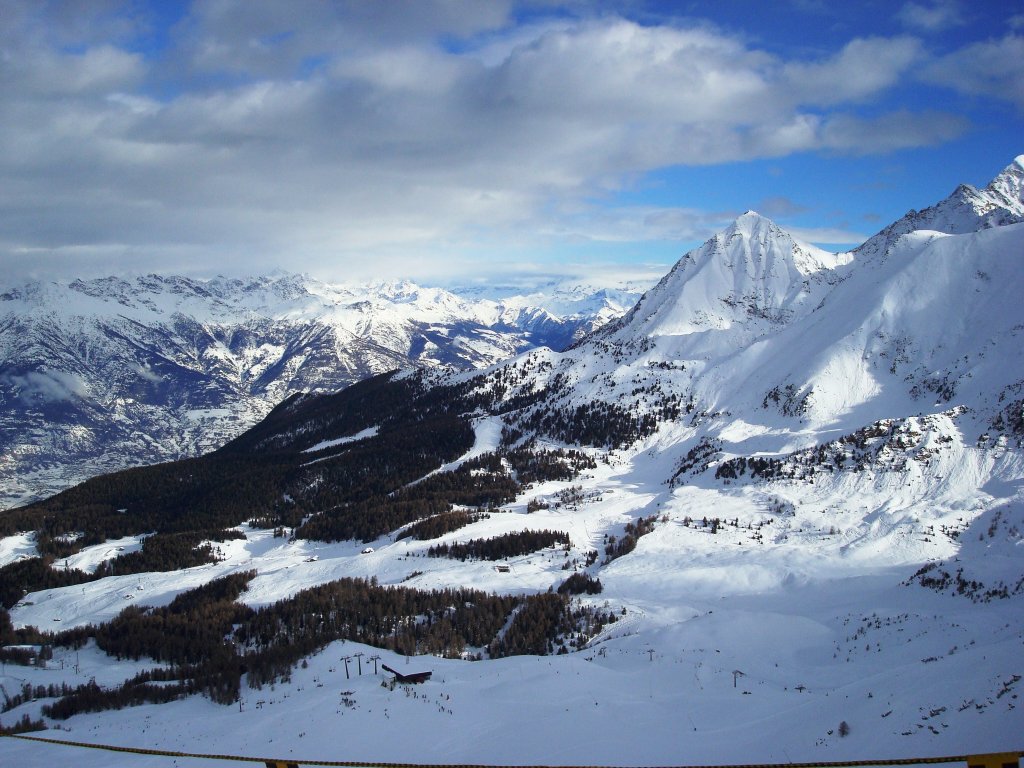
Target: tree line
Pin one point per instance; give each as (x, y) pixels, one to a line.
(208, 641)
(500, 547)
(617, 547)
(436, 526)
(548, 621)
(160, 552)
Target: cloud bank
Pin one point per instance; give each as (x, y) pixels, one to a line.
(353, 139)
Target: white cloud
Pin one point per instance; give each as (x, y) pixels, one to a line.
(779, 205)
(636, 223)
(341, 136)
(896, 130)
(862, 69)
(932, 16)
(993, 68)
(824, 236)
(49, 386)
(267, 38)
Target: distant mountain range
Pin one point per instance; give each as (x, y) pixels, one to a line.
(98, 375)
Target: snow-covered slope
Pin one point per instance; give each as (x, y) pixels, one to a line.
(803, 496)
(753, 274)
(966, 210)
(102, 374)
(756, 325)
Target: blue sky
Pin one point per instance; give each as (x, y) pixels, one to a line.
(451, 142)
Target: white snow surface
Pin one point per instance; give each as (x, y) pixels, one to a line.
(324, 444)
(817, 604)
(18, 547)
(89, 558)
(885, 383)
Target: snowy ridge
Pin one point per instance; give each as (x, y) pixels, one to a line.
(753, 274)
(756, 323)
(966, 210)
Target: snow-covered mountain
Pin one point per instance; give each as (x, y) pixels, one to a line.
(834, 344)
(787, 490)
(102, 374)
(966, 210)
(596, 301)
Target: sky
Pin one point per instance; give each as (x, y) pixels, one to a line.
(458, 142)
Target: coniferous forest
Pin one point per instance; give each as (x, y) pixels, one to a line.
(499, 547)
(207, 642)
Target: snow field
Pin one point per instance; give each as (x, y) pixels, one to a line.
(663, 694)
(657, 685)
